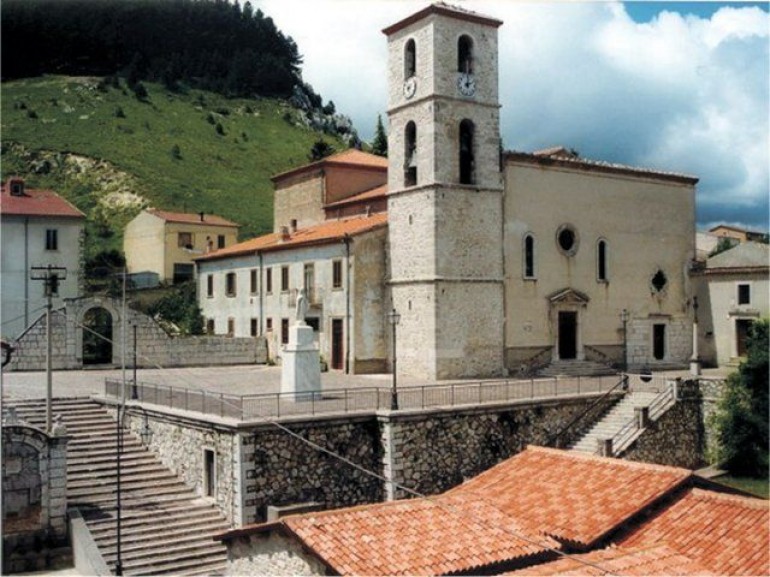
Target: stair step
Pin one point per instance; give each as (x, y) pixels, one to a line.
(147, 542)
(169, 559)
(107, 531)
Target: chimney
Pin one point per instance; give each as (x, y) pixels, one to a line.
(293, 225)
(16, 186)
(285, 233)
(368, 210)
(201, 214)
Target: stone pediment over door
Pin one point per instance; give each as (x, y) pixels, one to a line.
(568, 296)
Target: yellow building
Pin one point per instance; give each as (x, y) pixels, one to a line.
(165, 242)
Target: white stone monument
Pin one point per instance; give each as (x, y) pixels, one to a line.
(301, 362)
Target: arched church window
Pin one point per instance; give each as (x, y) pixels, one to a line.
(410, 59)
(465, 55)
(410, 154)
(529, 256)
(601, 261)
(467, 161)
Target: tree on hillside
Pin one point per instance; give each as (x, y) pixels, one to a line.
(380, 142)
(321, 149)
(741, 418)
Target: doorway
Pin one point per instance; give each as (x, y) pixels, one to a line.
(337, 344)
(659, 342)
(567, 335)
(97, 337)
(742, 327)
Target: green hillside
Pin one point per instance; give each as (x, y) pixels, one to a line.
(112, 154)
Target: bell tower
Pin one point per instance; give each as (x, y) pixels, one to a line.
(445, 193)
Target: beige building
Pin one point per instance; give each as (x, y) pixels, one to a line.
(497, 263)
(733, 290)
(165, 242)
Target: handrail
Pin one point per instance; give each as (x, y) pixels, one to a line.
(554, 438)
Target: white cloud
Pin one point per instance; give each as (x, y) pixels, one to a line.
(678, 93)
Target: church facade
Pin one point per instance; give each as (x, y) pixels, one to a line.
(497, 263)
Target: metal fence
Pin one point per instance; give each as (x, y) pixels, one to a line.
(357, 400)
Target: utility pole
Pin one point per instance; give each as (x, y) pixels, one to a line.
(51, 276)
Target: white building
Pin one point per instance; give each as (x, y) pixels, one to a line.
(733, 290)
(39, 228)
(496, 262)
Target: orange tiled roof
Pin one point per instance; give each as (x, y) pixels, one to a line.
(656, 560)
(325, 232)
(572, 496)
(373, 194)
(36, 202)
(191, 218)
(351, 157)
(727, 534)
(413, 537)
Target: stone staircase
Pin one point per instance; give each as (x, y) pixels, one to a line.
(165, 527)
(612, 423)
(575, 368)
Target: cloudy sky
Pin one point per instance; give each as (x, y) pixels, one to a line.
(675, 86)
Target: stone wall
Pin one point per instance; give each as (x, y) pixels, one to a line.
(678, 437)
(712, 391)
(270, 554)
(154, 347)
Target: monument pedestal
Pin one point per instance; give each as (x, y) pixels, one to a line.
(301, 365)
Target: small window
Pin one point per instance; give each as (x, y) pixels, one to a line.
(230, 286)
(210, 327)
(410, 59)
(269, 324)
(221, 241)
(230, 327)
(465, 55)
(209, 472)
(309, 280)
(529, 256)
(284, 331)
(410, 154)
(601, 260)
(467, 162)
(269, 280)
(744, 294)
(210, 285)
(254, 326)
(51, 239)
(659, 281)
(183, 272)
(337, 274)
(284, 278)
(253, 281)
(185, 240)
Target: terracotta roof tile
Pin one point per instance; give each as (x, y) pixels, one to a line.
(415, 537)
(727, 534)
(572, 496)
(351, 157)
(36, 202)
(191, 218)
(655, 560)
(325, 232)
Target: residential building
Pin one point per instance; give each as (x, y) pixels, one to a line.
(251, 289)
(521, 517)
(733, 290)
(500, 262)
(737, 233)
(165, 243)
(39, 228)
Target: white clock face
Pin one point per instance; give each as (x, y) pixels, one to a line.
(410, 87)
(466, 84)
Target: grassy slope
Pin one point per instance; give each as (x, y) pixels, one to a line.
(227, 175)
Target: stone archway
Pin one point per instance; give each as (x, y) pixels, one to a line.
(97, 341)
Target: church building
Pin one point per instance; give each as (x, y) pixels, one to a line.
(505, 263)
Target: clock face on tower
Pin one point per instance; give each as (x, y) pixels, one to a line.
(466, 84)
(410, 87)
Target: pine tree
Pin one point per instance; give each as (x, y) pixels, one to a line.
(380, 142)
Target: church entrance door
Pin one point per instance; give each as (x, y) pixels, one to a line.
(567, 335)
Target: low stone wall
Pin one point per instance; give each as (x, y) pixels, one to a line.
(712, 391)
(678, 437)
(154, 347)
(270, 554)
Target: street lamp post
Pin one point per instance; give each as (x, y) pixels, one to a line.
(394, 317)
(624, 317)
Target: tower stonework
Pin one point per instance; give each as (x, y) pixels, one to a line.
(445, 199)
